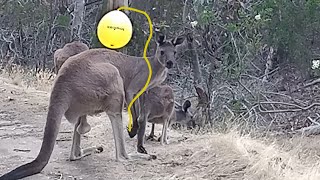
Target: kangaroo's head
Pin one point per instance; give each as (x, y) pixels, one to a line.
(166, 49)
(68, 50)
(183, 115)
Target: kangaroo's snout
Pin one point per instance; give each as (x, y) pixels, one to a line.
(169, 64)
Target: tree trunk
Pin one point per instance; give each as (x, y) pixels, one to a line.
(78, 16)
(194, 59)
(48, 36)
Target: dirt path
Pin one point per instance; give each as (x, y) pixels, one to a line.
(211, 156)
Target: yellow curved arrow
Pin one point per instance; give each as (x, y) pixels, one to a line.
(145, 58)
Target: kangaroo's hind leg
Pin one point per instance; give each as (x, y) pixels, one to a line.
(76, 151)
(165, 132)
(152, 136)
(115, 116)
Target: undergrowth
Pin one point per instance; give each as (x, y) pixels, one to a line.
(28, 77)
(268, 158)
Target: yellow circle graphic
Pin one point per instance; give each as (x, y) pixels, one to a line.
(114, 29)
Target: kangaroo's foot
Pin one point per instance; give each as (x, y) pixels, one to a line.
(151, 137)
(85, 152)
(141, 149)
(138, 156)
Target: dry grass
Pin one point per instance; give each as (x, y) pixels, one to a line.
(234, 156)
(28, 78)
(286, 160)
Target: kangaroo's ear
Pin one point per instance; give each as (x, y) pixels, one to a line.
(186, 105)
(160, 38)
(178, 40)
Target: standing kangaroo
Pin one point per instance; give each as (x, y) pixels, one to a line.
(68, 50)
(95, 81)
(158, 107)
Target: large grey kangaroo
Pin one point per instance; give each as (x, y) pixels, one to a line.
(95, 81)
(158, 107)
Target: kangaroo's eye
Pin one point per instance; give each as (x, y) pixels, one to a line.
(162, 53)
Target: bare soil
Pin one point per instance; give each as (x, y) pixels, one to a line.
(188, 156)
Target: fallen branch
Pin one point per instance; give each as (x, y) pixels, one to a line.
(279, 111)
(314, 121)
(312, 83)
(64, 139)
(285, 103)
(311, 130)
(247, 89)
(276, 93)
(307, 85)
(229, 110)
(270, 73)
(22, 150)
(9, 124)
(298, 108)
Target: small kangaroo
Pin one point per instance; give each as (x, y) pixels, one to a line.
(91, 82)
(183, 116)
(158, 107)
(180, 116)
(68, 50)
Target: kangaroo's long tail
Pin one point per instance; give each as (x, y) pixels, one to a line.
(51, 131)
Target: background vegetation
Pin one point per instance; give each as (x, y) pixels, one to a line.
(250, 60)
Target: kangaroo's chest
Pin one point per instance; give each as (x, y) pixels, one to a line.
(159, 78)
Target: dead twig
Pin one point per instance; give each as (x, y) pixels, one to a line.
(64, 139)
(247, 89)
(312, 83)
(298, 108)
(22, 150)
(311, 130)
(307, 85)
(9, 124)
(271, 72)
(276, 93)
(229, 110)
(273, 118)
(314, 121)
(288, 104)
(284, 95)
